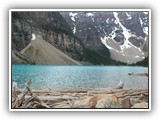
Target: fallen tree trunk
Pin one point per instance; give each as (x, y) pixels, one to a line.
(24, 92)
(134, 94)
(19, 101)
(34, 102)
(14, 91)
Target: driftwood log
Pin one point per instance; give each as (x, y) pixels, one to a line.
(19, 101)
(68, 98)
(138, 74)
(14, 91)
(24, 92)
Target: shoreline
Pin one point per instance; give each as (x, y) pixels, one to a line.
(89, 98)
(82, 90)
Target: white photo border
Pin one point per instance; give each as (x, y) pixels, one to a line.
(76, 10)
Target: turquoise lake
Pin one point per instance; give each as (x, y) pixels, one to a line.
(52, 77)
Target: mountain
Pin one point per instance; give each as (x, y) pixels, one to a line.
(91, 38)
(125, 34)
(43, 53)
(51, 26)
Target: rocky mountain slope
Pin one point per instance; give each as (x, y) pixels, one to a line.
(50, 25)
(125, 34)
(43, 53)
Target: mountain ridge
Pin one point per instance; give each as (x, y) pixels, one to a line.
(95, 38)
(120, 32)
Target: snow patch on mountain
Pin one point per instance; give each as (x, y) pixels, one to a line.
(146, 13)
(111, 35)
(141, 22)
(104, 32)
(92, 19)
(145, 30)
(89, 14)
(105, 40)
(74, 29)
(129, 16)
(107, 21)
(126, 34)
(33, 36)
(72, 15)
(115, 22)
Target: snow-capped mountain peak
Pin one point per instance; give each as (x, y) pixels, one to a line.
(125, 34)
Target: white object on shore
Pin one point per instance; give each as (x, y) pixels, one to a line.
(120, 85)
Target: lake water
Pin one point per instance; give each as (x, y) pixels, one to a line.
(79, 76)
